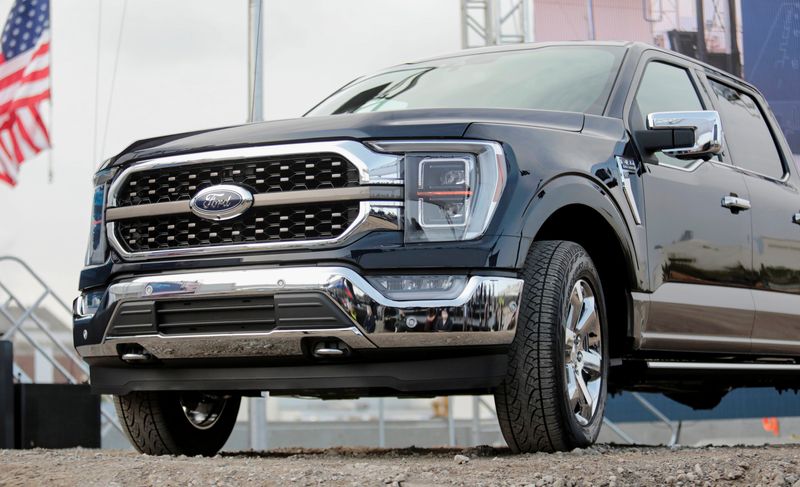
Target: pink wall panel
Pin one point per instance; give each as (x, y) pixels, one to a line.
(560, 20)
(565, 20)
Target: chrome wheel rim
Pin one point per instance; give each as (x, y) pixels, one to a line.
(583, 353)
(203, 410)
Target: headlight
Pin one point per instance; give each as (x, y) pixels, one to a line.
(452, 188)
(444, 191)
(97, 250)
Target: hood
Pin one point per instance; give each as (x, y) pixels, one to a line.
(426, 123)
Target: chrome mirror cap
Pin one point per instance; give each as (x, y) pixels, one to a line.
(707, 129)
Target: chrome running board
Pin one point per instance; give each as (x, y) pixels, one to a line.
(720, 366)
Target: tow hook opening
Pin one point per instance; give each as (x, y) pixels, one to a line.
(134, 353)
(329, 348)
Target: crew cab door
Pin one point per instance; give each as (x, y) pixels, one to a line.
(758, 149)
(699, 251)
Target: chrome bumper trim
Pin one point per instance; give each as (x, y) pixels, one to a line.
(274, 344)
(484, 313)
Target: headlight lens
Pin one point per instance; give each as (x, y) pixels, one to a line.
(97, 250)
(444, 191)
(452, 188)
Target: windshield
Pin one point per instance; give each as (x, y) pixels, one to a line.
(565, 78)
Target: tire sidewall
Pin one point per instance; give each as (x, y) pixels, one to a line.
(581, 267)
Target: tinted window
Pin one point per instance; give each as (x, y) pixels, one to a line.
(666, 88)
(567, 78)
(749, 138)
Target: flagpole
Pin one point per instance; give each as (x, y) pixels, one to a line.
(52, 111)
(257, 406)
(94, 161)
(50, 150)
(255, 62)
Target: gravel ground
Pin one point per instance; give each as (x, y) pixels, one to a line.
(600, 465)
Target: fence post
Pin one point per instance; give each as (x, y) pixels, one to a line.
(381, 423)
(476, 421)
(6, 394)
(451, 423)
(258, 422)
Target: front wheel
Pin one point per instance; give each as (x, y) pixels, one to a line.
(177, 423)
(553, 396)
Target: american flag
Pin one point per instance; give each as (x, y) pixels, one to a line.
(24, 85)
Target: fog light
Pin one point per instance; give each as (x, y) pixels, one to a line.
(87, 304)
(419, 288)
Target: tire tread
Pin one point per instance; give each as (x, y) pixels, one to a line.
(144, 424)
(529, 401)
(155, 425)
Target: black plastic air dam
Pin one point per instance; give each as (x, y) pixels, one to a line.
(6, 394)
(452, 375)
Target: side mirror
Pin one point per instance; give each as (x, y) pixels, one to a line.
(685, 135)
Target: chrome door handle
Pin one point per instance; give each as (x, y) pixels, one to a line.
(735, 203)
(796, 218)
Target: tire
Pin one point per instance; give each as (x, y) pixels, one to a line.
(534, 406)
(158, 423)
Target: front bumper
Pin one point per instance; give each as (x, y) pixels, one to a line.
(305, 305)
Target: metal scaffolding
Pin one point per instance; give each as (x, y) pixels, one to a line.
(494, 22)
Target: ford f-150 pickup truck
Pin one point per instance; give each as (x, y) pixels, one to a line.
(546, 223)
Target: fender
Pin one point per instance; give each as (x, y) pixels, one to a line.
(573, 189)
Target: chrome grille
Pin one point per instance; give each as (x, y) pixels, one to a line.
(260, 175)
(266, 224)
(312, 194)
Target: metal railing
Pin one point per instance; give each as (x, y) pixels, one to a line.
(480, 425)
(31, 315)
(474, 430)
(674, 427)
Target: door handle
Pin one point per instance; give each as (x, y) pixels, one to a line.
(734, 203)
(796, 218)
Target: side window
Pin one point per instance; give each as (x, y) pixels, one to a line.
(666, 88)
(749, 138)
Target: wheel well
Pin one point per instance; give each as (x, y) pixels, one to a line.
(586, 227)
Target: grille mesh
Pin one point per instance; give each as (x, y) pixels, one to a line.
(264, 175)
(267, 224)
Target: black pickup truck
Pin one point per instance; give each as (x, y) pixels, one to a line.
(546, 223)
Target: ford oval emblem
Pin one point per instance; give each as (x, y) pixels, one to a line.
(221, 202)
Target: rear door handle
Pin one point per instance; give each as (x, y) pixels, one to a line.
(796, 218)
(734, 203)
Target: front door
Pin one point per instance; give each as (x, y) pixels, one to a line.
(699, 251)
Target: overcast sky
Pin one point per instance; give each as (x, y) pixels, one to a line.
(182, 65)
